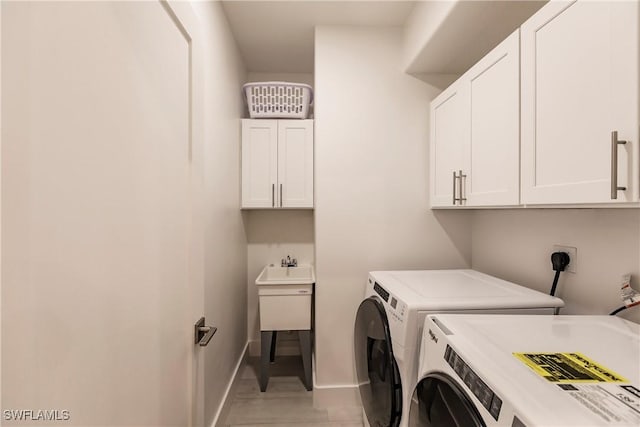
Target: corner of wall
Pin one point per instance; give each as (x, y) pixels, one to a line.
(423, 22)
(372, 207)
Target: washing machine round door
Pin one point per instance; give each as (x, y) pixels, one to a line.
(376, 368)
(438, 401)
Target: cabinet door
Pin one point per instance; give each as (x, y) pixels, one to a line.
(449, 143)
(579, 83)
(259, 163)
(493, 163)
(295, 163)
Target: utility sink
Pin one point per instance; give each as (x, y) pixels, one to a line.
(285, 295)
(274, 275)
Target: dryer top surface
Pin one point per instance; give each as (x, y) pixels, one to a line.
(438, 290)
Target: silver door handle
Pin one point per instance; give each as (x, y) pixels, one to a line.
(462, 193)
(273, 195)
(454, 188)
(615, 142)
(280, 195)
(202, 333)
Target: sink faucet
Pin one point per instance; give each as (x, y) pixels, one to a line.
(288, 262)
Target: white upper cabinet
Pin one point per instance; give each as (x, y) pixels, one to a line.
(449, 143)
(475, 134)
(277, 163)
(493, 161)
(579, 86)
(295, 163)
(259, 163)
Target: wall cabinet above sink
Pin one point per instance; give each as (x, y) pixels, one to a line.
(277, 164)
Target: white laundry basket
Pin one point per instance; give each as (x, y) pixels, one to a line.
(278, 100)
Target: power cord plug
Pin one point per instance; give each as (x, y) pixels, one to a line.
(559, 261)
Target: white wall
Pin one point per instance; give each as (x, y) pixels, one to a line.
(90, 338)
(306, 78)
(516, 245)
(371, 175)
(271, 236)
(96, 214)
(225, 242)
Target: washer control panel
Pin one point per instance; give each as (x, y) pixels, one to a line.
(396, 309)
(479, 388)
(381, 291)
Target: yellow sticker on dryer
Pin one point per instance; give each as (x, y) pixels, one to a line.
(568, 368)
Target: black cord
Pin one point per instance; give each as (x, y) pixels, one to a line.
(555, 283)
(618, 310)
(559, 261)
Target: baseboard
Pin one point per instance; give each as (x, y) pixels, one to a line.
(225, 406)
(326, 396)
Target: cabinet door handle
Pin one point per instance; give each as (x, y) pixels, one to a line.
(454, 188)
(462, 193)
(273, 195)
(280, 195)
(614, 164)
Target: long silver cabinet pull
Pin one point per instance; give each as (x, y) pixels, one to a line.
(280, 195)
(273, 195)
(615, 142)
(454, 188)
(462, 197)
(203, 333)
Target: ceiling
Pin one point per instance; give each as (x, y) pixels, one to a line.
(467, 32)
(278, 36)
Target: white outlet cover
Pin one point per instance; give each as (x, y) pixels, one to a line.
(573, 255)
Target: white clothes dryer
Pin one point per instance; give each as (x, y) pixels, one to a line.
(390, 319)
(528, 371)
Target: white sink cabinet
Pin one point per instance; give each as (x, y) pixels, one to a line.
(285, 307)
(285, 297)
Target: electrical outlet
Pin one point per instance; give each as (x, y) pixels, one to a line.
(573, 255)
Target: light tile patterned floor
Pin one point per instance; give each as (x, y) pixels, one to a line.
(286, 402)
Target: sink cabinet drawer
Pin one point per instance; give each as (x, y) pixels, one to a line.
(291, 311)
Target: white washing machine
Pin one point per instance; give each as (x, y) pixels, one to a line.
(528, 371)
(390, 319)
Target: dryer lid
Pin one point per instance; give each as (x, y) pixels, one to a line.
(443, 290)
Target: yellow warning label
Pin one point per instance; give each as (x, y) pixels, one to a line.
(568, 368)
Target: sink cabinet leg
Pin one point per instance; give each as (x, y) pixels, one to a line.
(265, 347)
(305, 350)
(274, 339)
